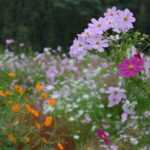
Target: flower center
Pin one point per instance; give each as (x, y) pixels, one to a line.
(97, 43)
(130, 66)
(115, 92)
(99, 25)
(126, 18)
(80, 45)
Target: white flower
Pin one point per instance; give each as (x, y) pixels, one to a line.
(87, 119)
(101, 106)
(86, 96)
(71, 119)
(134, 141)
(124, 117)
(147, 114)
(47, 108)
(114, 147)
(56, 95)
(79, 100)
(46, 49)
(74, 105)
(80, 113)
(76, 137)
(93, 128)
(109, 115)
(102, 90)
(147, 66)
(49, 88)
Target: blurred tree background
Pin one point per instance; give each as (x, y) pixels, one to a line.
(49, 23)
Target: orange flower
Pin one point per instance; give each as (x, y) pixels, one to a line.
(52, 101)
(15, 108)
(12, 74)
(45, 140)
(12, 138)
(8, 93)
(44, 95)
(31, 110)
(48, 121)
(3, 94)
(39, 87)
(38, 125)
(60, 146)
(19, 89)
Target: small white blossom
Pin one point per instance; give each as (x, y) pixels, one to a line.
(134, 141)
(76, 137)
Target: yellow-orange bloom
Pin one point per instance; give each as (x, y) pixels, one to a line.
(39, 87)
(52, 101)
(3, 94)
(15, 108)
(31, 110)
(60, 146)
(38, 125)
(19, 89)
(12, 74)
(44, 95)
(8, 93)
(45, 140)
(48, 121)
(12, 138)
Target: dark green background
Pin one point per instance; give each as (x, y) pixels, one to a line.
(43, 23)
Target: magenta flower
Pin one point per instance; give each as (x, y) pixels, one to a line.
(131, 67)
(116, 95)
(103, 135)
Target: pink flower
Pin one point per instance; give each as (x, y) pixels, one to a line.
(94, 36)
(52, 73)
(98, 43)
(9, 41)
(111, 12)
(131, 67)
(77, 50)
(98, 26)
(124, 117)
(87, 119)
(103, 135)
(116, 95)
(124, 21)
